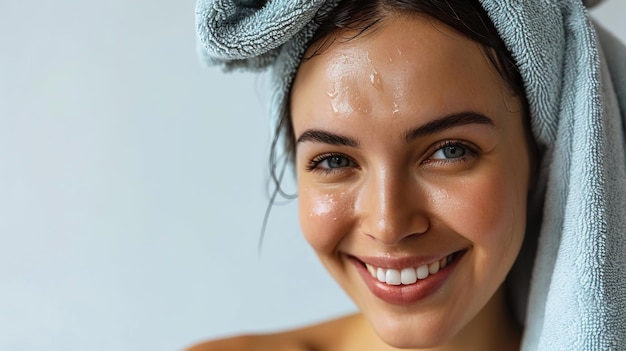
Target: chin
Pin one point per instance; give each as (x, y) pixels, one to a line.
(412, 331)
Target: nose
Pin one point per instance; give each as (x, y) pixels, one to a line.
(392, 207)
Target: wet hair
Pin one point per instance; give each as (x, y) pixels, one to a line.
(362, 16)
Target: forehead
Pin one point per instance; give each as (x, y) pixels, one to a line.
(412, 63)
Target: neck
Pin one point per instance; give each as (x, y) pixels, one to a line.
(494, 328)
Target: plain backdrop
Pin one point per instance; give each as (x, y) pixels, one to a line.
(133, 183)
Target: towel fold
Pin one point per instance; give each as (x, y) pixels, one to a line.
(577, 298)
(570, 278)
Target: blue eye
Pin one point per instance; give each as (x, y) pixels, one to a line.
(450, 151)
(335, 162)
(330, 163)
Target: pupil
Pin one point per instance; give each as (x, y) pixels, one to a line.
(453, 151)
(336, 161)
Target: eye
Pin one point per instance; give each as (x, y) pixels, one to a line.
(334, 162)
(330, 163)
(450, 151)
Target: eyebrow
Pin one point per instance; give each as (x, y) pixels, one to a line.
(322, 136)
(432, 127)
(447, 122)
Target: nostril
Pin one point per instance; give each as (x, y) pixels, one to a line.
(392, 238)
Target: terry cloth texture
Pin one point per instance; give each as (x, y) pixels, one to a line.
(570, 279)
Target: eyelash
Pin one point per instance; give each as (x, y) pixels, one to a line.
(470, 152)
(313, 165)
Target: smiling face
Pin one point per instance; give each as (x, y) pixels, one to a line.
(413, 169)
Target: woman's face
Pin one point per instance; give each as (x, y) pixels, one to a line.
(413, 170)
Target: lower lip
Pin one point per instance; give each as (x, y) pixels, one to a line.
(406, 294)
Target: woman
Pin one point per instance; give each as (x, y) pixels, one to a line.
(436, 145)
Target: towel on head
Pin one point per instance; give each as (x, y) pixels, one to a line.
(570, 277)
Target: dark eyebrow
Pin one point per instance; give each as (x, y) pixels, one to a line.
(432, 127)
(447, 122)
(322, 136)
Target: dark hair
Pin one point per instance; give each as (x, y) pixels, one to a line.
(358, 16)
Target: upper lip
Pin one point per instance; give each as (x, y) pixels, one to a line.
(400, 262)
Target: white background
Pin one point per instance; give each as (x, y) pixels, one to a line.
(133, 186)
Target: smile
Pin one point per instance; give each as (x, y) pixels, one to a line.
(406, 280)
(408, 275)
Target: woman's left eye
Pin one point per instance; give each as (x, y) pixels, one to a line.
(452, 151)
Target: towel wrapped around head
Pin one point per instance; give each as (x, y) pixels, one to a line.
(571, 274)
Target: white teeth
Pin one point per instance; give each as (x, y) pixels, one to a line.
(380, 275)
(393, 277)
(407, 275)
(433, 268)
(422, 272)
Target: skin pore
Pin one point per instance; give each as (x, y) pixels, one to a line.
(410, 151)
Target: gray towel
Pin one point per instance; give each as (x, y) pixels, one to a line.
(571, 277)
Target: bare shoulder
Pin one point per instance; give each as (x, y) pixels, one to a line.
(233, 343)
(328, 335)
(248, 343)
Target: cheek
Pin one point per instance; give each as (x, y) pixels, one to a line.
(324, 218)
(489, 211)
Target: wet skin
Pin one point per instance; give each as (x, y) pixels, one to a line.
(409, 148)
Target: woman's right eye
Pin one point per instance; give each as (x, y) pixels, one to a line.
(330, 163)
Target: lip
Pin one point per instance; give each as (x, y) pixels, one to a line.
(405, 294)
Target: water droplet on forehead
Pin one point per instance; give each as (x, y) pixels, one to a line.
(376, 80)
